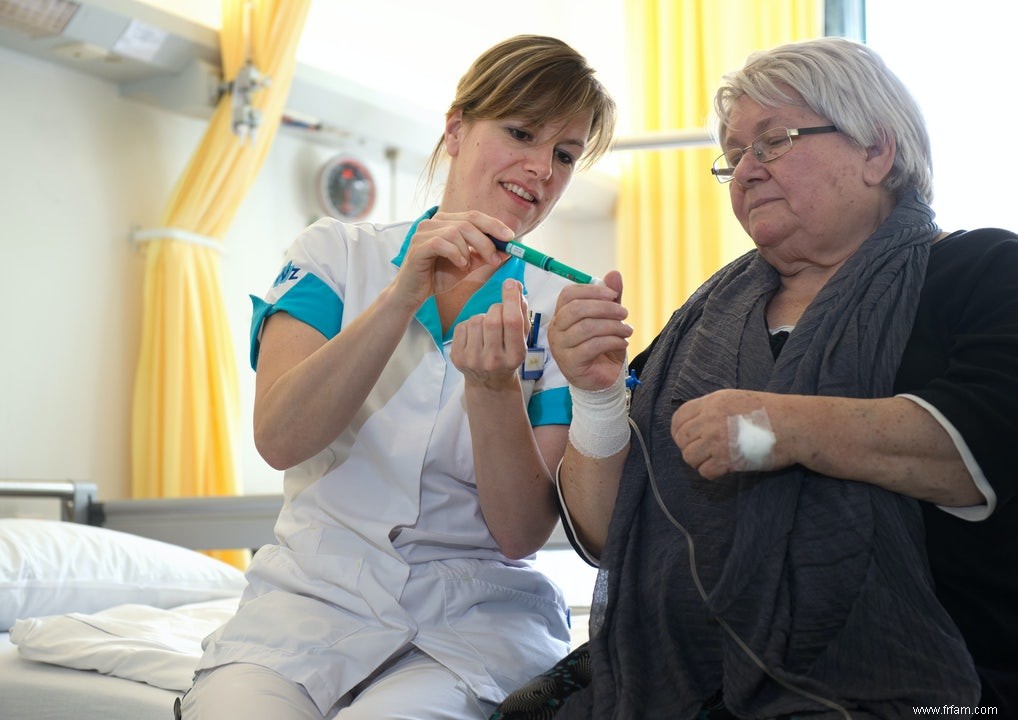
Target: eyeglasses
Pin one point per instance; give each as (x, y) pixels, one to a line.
(766, 146)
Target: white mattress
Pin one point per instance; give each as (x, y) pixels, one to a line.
(39, 691)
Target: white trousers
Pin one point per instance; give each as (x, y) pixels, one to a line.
(411, 687)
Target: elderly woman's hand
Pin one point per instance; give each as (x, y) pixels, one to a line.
(588, 336)
(729, 431)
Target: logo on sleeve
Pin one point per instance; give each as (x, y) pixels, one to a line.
(289, 272)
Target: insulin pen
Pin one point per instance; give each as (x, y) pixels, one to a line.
(529, 255)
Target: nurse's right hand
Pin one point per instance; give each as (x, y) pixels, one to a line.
(445, 249)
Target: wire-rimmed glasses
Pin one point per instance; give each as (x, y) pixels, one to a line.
(766, 146)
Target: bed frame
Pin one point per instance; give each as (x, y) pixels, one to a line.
(205, 523)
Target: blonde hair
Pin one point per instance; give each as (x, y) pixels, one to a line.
(539, 79)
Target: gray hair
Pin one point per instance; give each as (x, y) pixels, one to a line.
(847, 83)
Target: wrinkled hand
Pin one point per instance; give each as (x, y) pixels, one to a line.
(700, 428)
(588, 336)
(442, 246)
(490, 348)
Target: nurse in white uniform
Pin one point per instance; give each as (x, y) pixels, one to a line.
(418, 460)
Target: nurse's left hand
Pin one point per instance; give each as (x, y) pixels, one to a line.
(490, 348)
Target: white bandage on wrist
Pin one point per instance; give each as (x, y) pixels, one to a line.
(751, 441)
(600, 426)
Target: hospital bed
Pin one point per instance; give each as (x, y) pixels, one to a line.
(103, 604)
(113, 598)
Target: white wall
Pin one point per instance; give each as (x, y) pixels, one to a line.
(959, 61)
(69, 304)
(418, 50)
(80, 167)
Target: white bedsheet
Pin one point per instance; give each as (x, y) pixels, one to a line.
(38, 691)
(141, 658)
(135, 642)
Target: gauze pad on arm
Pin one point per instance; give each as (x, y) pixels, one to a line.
(751, 441)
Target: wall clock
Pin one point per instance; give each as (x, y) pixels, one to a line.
(346, 188)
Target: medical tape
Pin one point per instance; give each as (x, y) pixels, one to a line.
(600, 425)
(751, 441)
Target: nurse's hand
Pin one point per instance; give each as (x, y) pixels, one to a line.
(490, 348)
(588, 336)
(444, 249)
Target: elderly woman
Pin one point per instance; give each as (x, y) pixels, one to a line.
(759, 529)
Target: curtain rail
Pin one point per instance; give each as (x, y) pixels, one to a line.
(664, 139)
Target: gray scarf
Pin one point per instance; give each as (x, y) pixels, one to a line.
(825, 580)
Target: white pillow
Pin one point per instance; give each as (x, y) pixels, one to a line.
(157, 646)
(48, 567)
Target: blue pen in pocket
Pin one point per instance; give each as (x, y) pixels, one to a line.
(533, 365)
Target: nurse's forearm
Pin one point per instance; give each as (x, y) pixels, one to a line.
(308, 388)
(514, 483)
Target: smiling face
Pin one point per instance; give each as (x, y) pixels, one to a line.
(509, 169)
(815, 205)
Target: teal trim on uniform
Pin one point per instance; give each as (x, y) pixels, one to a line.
(491, 292)
(398, 260)
(427, 315)
(310, 300)
(513, 268)
(260, 311)
(550, 407)
(479, 302)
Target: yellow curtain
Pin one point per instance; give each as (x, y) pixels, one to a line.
(674, 222)
(186, 401)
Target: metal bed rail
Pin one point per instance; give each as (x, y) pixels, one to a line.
(76, 498)
(205, 523)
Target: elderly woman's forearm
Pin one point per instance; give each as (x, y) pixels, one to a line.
(588, 487)
(890, 442)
